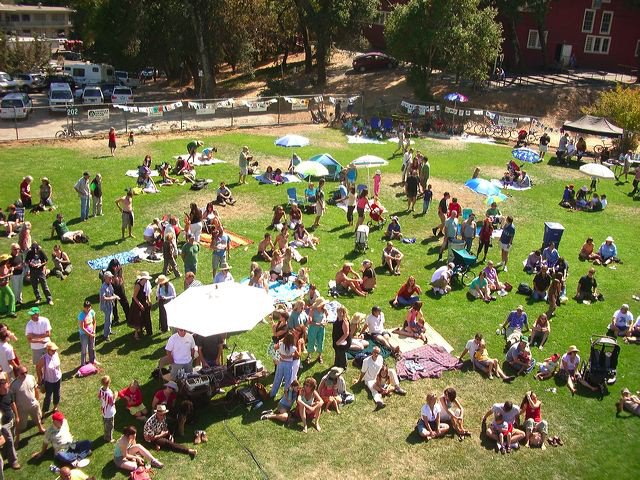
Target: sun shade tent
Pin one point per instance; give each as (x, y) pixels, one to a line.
(333, 166)
(593, 126)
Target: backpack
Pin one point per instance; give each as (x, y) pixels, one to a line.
(199, 184)
(524, 289)
(359, 359)
(87, 369)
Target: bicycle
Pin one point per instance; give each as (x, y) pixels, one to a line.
(599, 148)
(68, 132)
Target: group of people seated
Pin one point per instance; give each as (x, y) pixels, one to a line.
(606, 254)
(515, 176)
(580, 200)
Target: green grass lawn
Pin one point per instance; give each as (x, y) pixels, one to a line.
(359, 443)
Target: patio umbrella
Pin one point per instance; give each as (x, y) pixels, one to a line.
(292, 140)
(219, 308)
(482, 186)
(526, 155)
(499, 198)
(597, 170)
(369, 161)
(308, 168)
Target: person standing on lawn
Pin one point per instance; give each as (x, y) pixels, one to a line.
(112, 141)
(506, 242)
(10, 416)
(83, 189)
(96, 195)
(125, 205)
(37, 261)
(27, 395)
(243, 163)
(192, 149)
(87, 330)
(443, 208)
(107, 302)
(7, 297)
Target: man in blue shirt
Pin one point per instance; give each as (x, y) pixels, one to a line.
(506, 241)
(550, 255)
(608, 251)
(515, 325)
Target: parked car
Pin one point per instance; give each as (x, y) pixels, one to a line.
(147, 73)
(122, 95)
(107, 90)
(7, 83)
(92, 94)
(60, 97)
(29, 82)
(374, 61)
(60, 78)
(15, 105)
(125, 79)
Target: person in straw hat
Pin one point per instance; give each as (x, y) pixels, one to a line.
(156, 432)
(569, 370)
(49, 373)
(139, 316)
(165, 292)
(224, 275)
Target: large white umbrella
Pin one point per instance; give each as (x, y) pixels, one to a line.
(368, 162)
(597, 170)
(219, 308)
(315, 169)
(292, 140)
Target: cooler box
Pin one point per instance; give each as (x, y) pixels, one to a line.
(552, 233)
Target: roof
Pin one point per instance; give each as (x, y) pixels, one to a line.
(33, 8)
(594, 126)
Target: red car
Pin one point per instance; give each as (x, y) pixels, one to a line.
(374, 61)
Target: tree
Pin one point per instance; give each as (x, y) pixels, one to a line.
(457, 37)
(539, 10)
(22, 56)
(511, 12)
(622, 107)
(329, 20)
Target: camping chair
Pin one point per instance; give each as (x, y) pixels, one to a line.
(375, 123)
(466, 212)
(360, 188)
(292, 196)
(387, 124)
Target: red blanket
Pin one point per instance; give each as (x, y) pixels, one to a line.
(428, 361)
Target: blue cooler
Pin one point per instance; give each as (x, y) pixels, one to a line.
(552, 233)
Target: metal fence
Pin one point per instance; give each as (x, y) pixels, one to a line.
(146, 117)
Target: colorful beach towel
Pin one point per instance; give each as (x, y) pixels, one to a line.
(235, 239)
(199, 160)
(288, 178)
(498, 183)
(383, 351)
(428, 361)
(283, 292)
(359, 139)
(124, 258)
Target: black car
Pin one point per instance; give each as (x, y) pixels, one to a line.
(373, 61)
(59, 78)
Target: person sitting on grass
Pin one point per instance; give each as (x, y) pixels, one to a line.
(408, 294)
(369, 279)
(488, 365)
(374, 324)
(495, 215)
(309, 405)
(429, 425)
(569, 373)
(265, 248)
(279, 218)
(540, 331)
(132, 395)
(330, 390)
(129, 455)
(358, 343)
(533, 422)
(587, 253)
(548, 368)
(302, 238)
(534, 262)
(393, 230)
(371, 366)
(587, 290)
(479, 288)
(519, 357)
(224, 196)
(295, 216)
(510, 415)
(414, 323)
(67, 450)
(491, 274)
(452, 412)
(541, 283)
(608, 252)
(392, 258)
(282, 413)
(629, 403)
(515, 325)
(156, 432)
(348, 279)
(550, 255)
(621, 322)
(441, 279)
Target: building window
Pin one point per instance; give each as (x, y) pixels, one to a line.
(57, 17)
(605, 23)
(587, 20)
(26, 18)
(381, 17)
(15, 18)
(595, 44)
(533, 41)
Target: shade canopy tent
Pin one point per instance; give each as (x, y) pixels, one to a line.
(593, 126)
(219, 308)
(333, 166)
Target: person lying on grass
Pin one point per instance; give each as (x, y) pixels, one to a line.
(429, 425)
(629, 403)
(549, 367)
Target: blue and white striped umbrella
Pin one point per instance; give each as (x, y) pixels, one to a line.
(526, 155)
(292, 140)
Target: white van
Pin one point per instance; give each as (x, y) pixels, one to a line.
(60, 97)
(15, 105)
(90, 73)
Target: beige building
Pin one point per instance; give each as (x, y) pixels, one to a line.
(34, 20)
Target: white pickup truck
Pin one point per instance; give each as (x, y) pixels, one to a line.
(124, 79)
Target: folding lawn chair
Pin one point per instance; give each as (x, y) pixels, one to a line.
(375, 123)
(387, 124)
(292, 195)
(360, 188)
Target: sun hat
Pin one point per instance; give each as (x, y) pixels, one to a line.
(625, 391)
(162, 279)
(162, 408)
(34, 310)
(172, 385)
(142, 275)
(609, 239)
(572, 348)
(51, 346)
(225, 266)
(57, 417)
(335, 372)
(107, 274)
(519, 307)
(4, 257)
(378, 172)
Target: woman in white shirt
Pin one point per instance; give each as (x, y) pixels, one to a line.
(569, 370)
(429, 425)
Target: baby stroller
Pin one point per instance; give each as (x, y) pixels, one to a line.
(600, 370)
(375, 215)
(462, 263)
(362, 238)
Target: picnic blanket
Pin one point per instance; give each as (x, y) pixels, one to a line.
(235, 239)
(359, 139)
(498, 183)
(385, 352)
(428, 361)
(476, 139)
(198, 160)
(288, 178)
(283, 292)
(148, 254)
(406, 343)
(124, 258)
(396, 140)
(136, 173)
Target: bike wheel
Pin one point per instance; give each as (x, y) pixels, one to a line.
(61, 134)
(76, 133)
(598, 149)
(467, 277)
(479, 129)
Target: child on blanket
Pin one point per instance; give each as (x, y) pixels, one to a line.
(414, 323)
(302, 278)
(383, 382)
(548, 367)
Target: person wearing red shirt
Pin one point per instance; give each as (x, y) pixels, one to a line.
(455, 206)
(112, 141)
(533, 419)
(25, 191)
(166, 396)
(133, 396)
(405, 295)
